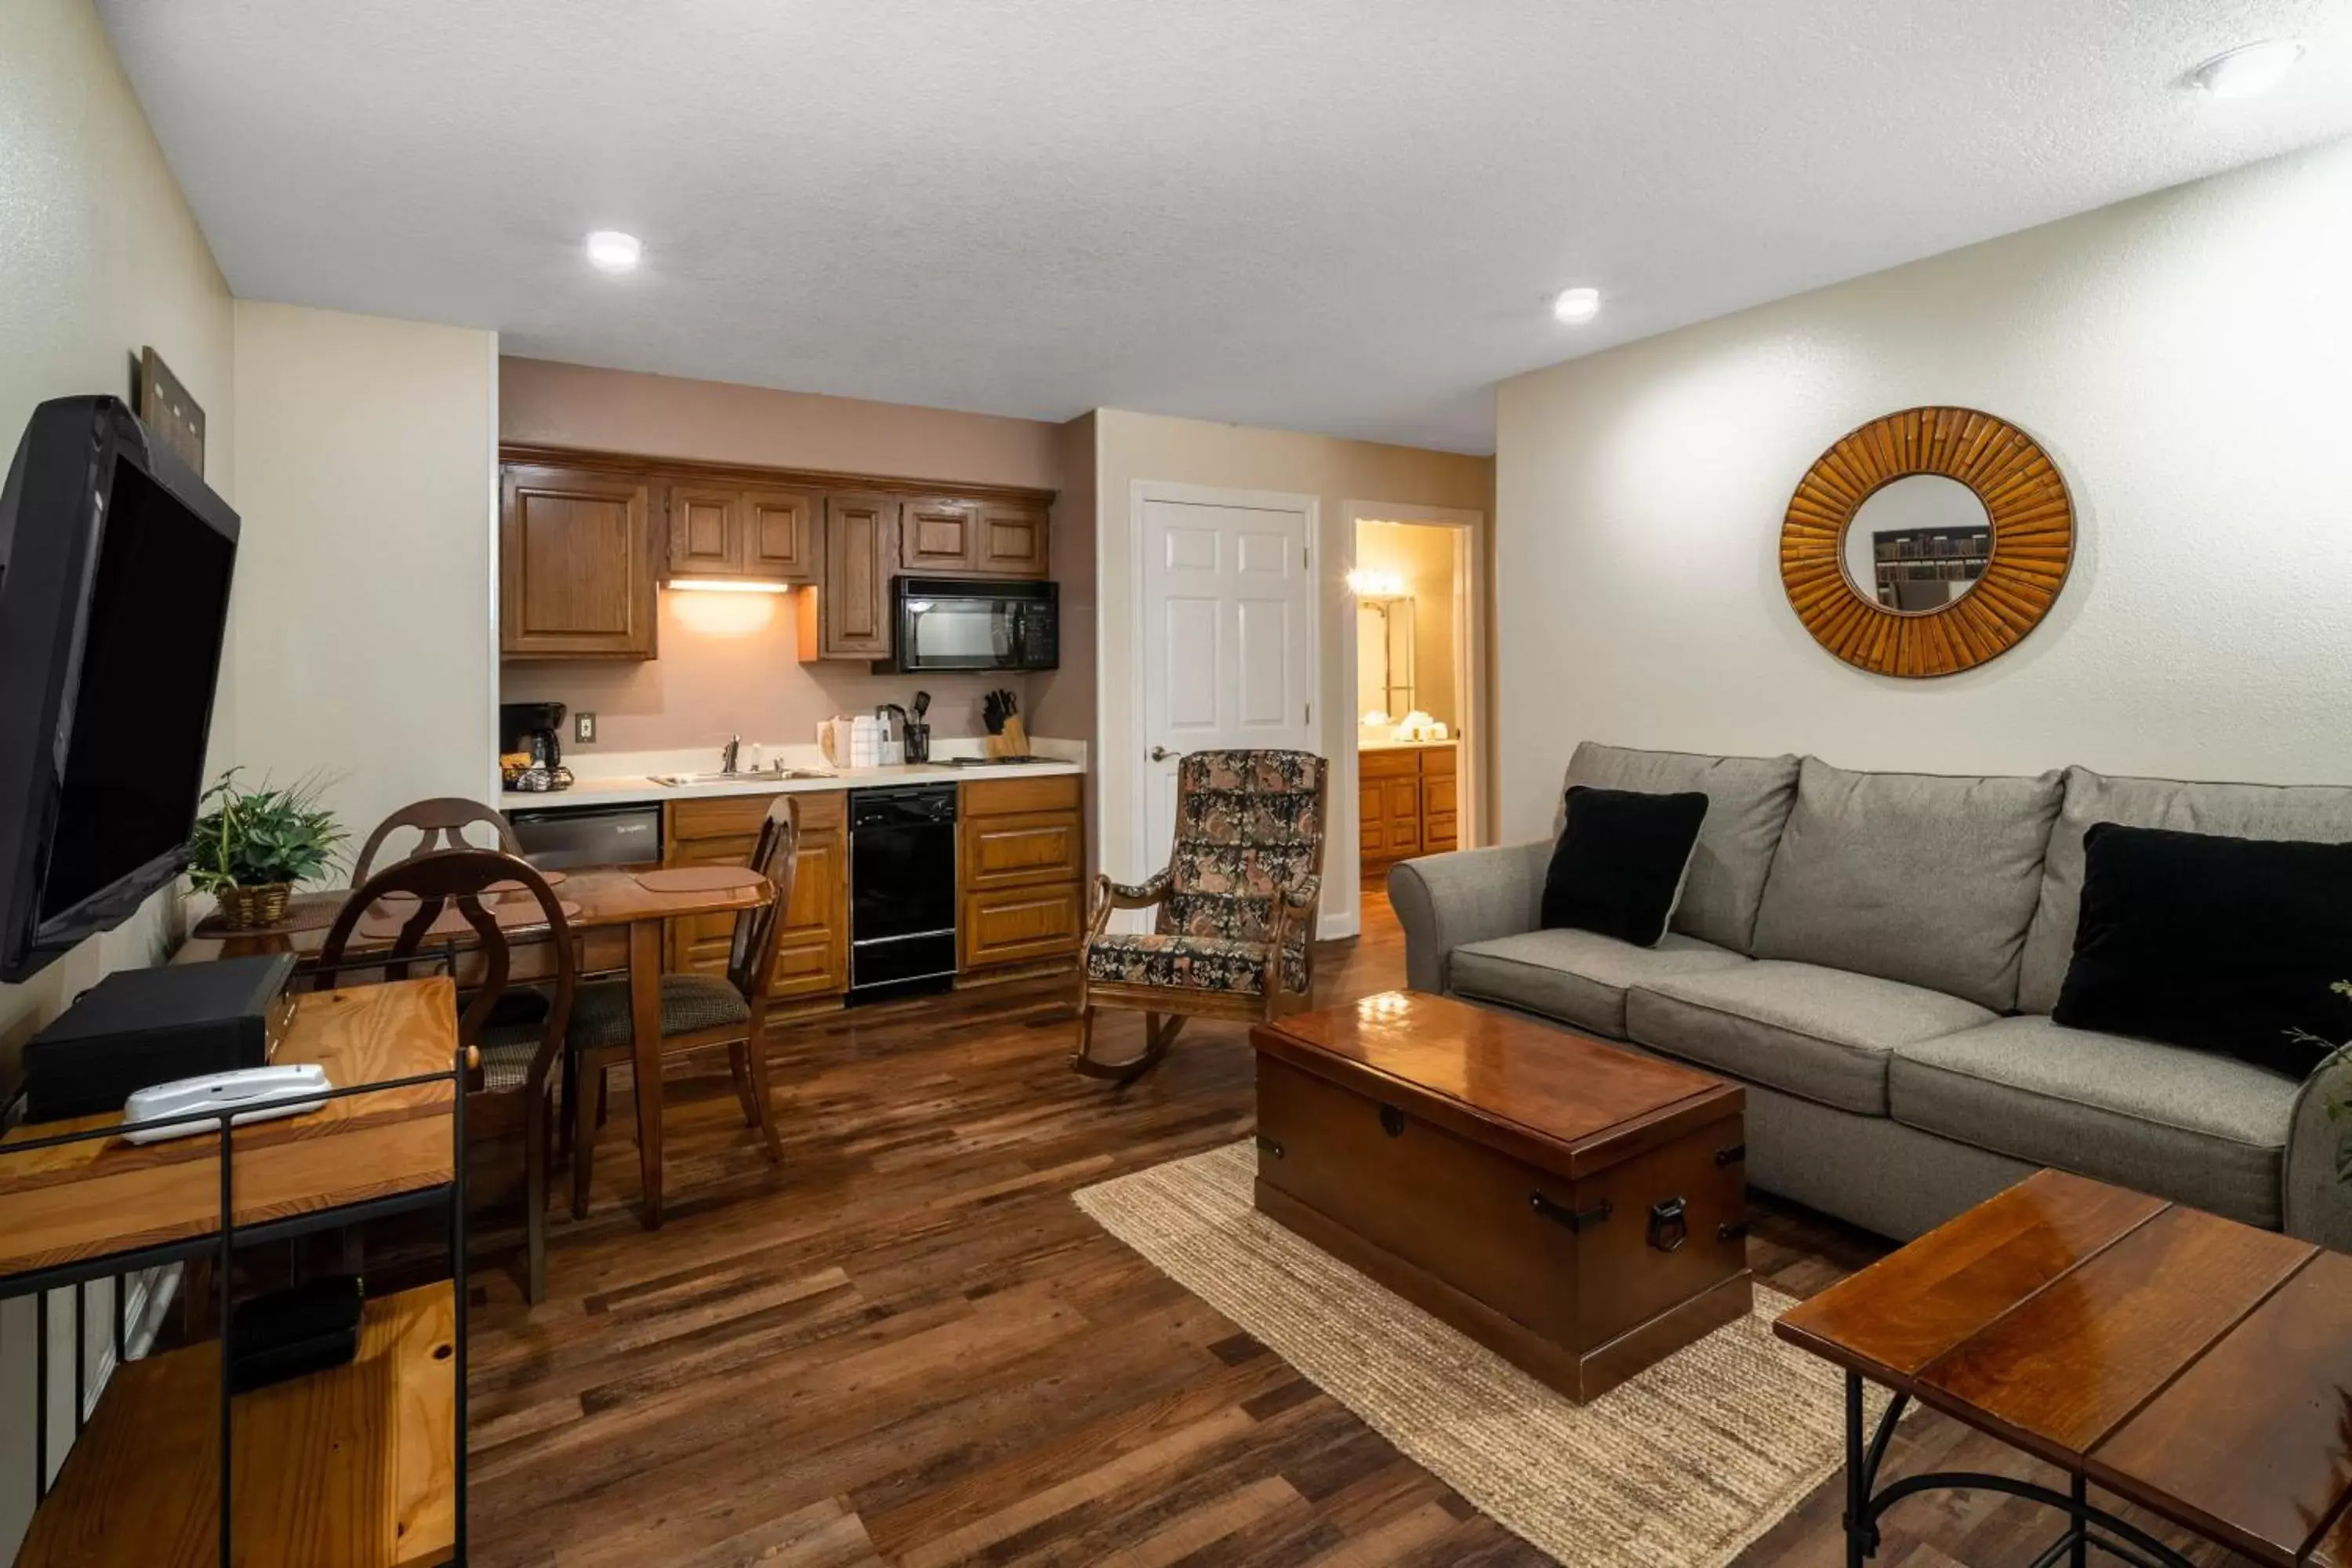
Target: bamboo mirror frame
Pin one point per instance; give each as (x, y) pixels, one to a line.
(2032, 541)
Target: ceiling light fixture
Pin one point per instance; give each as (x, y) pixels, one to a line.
(726, 586)
(610, 250)
(1576, 305)
(2249, 70)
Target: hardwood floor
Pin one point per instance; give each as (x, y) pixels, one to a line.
(908, 1346)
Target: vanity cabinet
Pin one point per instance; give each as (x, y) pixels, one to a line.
(1406, 802)
(1022, 872)
(813, 945)
(576, 563)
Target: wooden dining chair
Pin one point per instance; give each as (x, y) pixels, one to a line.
(1235, 936)
(698, 1011)
(440, 824)
(454, 902)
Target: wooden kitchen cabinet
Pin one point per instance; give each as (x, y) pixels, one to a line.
(1405, 802)
(813, 947)
(1013, 539)
(1022, 872)
(846, 614)
(726, 532)
(938, 536)
(576, 563)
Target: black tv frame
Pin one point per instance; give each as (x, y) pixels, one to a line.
(63, 469)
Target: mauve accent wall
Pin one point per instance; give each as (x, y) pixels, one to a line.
(727, 664)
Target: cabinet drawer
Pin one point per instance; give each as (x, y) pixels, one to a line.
(1382, 765)
(1011, 925)
(988, 797)
(1438, 760)
(1034, 847)
(728, 817)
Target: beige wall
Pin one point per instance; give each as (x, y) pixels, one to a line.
(1140, 447)
(99, 256)
(366, 650)
(1422, 555)
(727, 664)
(2185, 358)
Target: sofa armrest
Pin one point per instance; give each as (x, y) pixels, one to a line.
(1470, 895)
(2317, 1197)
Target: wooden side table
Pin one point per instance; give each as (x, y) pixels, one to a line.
(2197, 1367)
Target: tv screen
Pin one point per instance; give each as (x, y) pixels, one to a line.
(113, 605)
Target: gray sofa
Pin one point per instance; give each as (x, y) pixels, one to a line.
(1875, 956)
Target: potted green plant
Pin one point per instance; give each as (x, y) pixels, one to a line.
(251, 847)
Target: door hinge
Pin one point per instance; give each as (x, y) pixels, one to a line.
(1310, 713)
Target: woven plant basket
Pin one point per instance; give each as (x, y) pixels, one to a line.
(250, 909)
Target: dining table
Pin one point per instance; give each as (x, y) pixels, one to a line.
(618, 915)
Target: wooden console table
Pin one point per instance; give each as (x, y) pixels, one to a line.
(2195, 1366)
(362, 1465)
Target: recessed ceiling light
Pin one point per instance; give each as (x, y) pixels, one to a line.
(1576, 305)
(2247, 71)
(610, 250)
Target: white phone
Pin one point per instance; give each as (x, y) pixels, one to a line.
(269, 1092)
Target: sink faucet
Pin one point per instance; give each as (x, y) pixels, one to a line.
(734, 749)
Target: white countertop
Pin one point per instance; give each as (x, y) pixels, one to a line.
(608, 785)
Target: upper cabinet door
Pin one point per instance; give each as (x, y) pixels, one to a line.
(853, 603)
(778, 539)
(576, 563)
(937, 536)
(1011, 536)
(706, 532)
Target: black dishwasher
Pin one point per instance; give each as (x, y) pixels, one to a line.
(902, 889)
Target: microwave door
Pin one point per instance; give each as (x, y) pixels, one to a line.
(958, 633)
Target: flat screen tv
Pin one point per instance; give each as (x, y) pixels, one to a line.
(115, 561)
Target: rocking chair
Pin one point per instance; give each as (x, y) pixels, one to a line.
(1235, 936)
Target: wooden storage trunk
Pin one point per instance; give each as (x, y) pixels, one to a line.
(1578, 1208)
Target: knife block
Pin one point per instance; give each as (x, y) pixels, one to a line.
(1012, 743)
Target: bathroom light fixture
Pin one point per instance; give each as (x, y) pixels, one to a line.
(1576, 305)
(1367, 584)
(726, 586)
(610, 250)
(2249, 70)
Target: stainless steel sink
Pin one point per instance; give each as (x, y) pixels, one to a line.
(674, 781)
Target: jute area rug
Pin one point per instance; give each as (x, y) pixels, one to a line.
(1680, 1468)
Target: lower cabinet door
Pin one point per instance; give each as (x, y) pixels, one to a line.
(1011, 925)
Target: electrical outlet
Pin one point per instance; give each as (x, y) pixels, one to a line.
(583, 727)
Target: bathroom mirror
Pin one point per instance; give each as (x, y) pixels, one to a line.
(1384, 677)
(1926, 541)
(1918, 543)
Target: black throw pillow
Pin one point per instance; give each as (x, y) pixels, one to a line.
(2226, 945)
(1617, 868)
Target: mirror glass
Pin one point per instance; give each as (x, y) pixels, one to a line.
(1918, 544)
(1384, 659)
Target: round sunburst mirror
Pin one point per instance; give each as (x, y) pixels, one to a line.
(1926, 541)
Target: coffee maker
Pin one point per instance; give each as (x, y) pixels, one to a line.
(536, 728)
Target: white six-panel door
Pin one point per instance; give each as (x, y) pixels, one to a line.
(1228, 643)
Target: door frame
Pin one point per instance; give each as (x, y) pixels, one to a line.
(1140, 493)
(1343, 855)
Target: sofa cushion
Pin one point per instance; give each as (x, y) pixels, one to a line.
(2202, 1129)
(1747, 802)
(1911, 877)
(1622, 860)
(1824, 1034)
(2235, 946)
(1578, 977)
(2318, 814)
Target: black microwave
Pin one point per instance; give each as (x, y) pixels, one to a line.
(974, 623)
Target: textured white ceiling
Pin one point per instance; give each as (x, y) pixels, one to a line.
(1344, 216)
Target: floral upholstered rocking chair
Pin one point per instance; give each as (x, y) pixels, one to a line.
(1235, 937)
